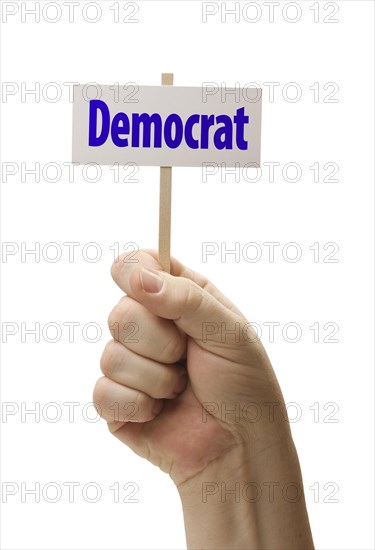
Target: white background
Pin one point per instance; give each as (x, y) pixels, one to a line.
(171, 37)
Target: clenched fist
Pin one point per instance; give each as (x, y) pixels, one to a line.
(188, 385)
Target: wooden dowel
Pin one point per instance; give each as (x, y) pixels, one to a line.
(165, 203)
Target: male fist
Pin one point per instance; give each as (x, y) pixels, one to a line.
(185, 378)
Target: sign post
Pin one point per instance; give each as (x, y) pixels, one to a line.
(165, 203)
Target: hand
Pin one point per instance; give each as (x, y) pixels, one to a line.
(205, 406)
(195, 360)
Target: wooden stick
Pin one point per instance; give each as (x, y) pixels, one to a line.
(165, 203)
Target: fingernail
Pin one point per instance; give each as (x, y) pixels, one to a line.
(159, 404)
(150, 281)
(181, 385)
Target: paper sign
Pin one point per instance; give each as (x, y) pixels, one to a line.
(166, 125)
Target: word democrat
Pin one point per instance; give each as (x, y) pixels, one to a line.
(171, 132)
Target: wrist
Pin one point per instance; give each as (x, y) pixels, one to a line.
(215, 516)
(252, 497)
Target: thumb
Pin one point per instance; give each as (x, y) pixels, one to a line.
(194, 310)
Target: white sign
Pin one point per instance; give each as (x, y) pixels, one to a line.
(166, 125)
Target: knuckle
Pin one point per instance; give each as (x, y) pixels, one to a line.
(172, 350)
(124, 262)
(165, 385)
(124, 311)
(141, 403)
(192, 297)
(113, 317)
(100, 393)
(107, 360)
(115, 268)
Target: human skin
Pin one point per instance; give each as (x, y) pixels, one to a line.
(204, 405)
